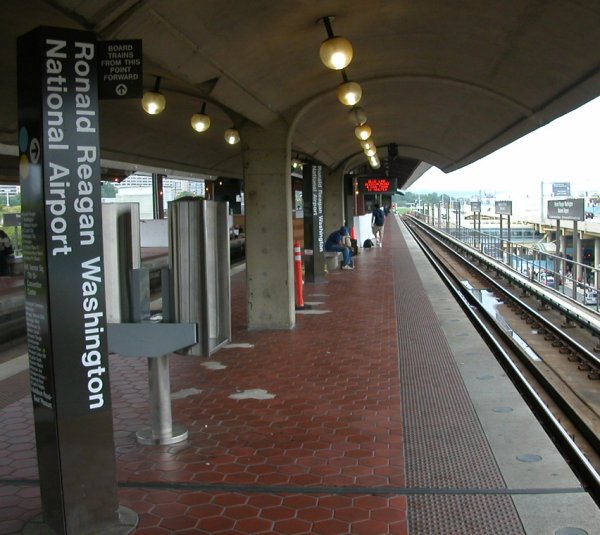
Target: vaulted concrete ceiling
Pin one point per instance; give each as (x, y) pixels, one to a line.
(447, 81)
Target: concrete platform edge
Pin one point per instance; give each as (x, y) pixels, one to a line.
(510, 434)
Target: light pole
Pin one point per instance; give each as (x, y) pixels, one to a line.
(542, 201)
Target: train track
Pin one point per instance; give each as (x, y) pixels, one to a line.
(550, 356)
(12, 305)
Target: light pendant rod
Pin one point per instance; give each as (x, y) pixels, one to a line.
(328, 28)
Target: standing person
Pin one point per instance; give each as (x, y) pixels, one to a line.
(6, 252)
(335, 243)
(377, 222)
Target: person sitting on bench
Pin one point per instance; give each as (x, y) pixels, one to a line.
(335, 243)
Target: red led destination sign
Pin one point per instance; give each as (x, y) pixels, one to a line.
(376, 185)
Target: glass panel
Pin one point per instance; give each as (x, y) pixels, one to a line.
(10, 207)
(137, 188)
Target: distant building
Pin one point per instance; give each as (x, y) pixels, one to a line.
(8, 191)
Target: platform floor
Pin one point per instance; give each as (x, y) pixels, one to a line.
(381, 412)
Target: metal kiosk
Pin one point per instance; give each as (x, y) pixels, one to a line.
(131, 331)
(200, 267)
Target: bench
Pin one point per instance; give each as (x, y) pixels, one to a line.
(332, 260)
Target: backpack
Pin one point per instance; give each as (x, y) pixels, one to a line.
(378, 215)
(368, 244)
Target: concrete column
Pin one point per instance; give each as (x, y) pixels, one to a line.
(563, 248)
(333, 205)
(269, 248)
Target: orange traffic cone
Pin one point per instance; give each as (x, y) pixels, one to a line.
(299, 280)
(355, 246)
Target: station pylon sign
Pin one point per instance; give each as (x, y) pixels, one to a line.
(59, 168)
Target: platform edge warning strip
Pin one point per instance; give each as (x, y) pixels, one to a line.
(445, 445)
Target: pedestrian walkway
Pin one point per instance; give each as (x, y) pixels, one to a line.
(367, 418)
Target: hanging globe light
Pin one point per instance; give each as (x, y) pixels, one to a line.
(200, 121)
(363, 131)
(336, 52)
(367, 143)
(349, 93)
(357, 116)
(232, 136)
(154, 101)
(374, 162)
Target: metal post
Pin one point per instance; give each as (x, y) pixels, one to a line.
(501, 240)
(576, 259)
(158, 211)
(162, 430)
(558, 276)
(597, 263)
(508, 241)
(160, 397)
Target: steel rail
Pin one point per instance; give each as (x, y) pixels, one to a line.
(581, 424)
(579, 463)
(583, 352)
(544, 295)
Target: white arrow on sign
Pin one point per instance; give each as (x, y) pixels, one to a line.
(121, 89)
(34, 150)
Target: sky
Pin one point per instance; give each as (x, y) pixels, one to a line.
(565, 150)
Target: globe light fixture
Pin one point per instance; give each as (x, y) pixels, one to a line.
(367, 144)
(154, 101)
(349, 93)
(357, 116)
(200, 121)
(363, 131)
(232, 136)
(336, 52)
(371, 151)
(374, 162)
